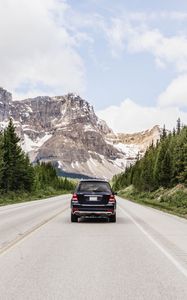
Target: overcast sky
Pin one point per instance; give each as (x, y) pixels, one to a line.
(127, 58)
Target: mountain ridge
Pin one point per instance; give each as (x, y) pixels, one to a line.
(66, 131)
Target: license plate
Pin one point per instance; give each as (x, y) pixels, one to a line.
(92, 198)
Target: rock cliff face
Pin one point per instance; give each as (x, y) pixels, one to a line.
(5, 100)
(66, 131)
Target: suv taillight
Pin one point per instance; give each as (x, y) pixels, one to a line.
(74, 197)
(112, 199)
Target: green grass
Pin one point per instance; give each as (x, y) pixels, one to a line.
(170, 200)
(18, 197)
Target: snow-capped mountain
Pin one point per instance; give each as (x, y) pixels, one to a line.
(66, 131)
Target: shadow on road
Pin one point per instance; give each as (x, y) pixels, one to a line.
(120, 220)
(93, 220)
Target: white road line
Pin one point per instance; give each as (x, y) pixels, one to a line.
(156, 243)
(30, 231)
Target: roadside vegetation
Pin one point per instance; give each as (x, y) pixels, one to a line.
(22, 181)
(159, 178)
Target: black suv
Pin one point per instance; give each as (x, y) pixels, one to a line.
(93, 197)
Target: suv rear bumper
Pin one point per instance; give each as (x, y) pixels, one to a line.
(91, 210)
(93, 213)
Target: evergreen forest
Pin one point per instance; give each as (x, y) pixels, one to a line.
(162, 168)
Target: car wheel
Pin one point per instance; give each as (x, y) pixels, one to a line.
(113, 219)
(74, 218)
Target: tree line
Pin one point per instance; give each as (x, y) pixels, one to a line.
(163, 165)
(18, 174)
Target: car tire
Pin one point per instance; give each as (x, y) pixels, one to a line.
(112, 219)
(74, 218)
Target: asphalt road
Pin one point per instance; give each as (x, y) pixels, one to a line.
(45, 256)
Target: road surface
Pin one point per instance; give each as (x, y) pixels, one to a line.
(45, 256)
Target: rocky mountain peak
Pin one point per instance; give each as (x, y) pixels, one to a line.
(66, 131)
(79, 109)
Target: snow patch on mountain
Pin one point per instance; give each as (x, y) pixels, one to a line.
(131, 150)
(29, 145)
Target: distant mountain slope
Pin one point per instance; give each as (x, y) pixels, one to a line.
(66, 131)
(143, 139)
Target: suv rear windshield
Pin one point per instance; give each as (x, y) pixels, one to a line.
(94, 186)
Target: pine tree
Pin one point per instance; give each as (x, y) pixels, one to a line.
(180, 153)
(166, 170)
(178, 125)
(163, 164)
(17, 174)
(174, 131)
(28, 173)
(11, 154)
(137, 178)
(148, 169)
(164, 133)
